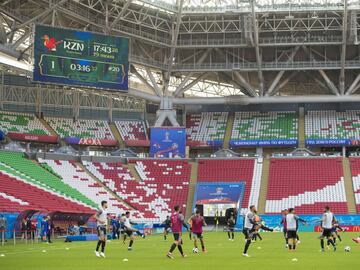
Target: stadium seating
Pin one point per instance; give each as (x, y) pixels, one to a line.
(164, 184)
(307, 184)
(132, 131)
(17, 195)
(332, 125)
(73, 175)
(15, 164)
(355, 173)
(208, 126)
(21, 123)
(265, 126)
(81, 128)
(234, 170)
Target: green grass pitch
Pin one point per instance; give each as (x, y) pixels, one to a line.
(149, 254)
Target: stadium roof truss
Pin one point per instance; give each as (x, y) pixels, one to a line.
(215, 50)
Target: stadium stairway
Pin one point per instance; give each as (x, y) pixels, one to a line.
(133, 171)
(228, 131)
(349, 191)
(102, 184)
(264, 185)
(48, 127)
(192, 186)
(301, 131)
(117, 135)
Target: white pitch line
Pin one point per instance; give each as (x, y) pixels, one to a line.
(37, 250)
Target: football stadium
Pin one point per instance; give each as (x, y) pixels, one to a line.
(179, 134)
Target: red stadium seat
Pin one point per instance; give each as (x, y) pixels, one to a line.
(307, 184)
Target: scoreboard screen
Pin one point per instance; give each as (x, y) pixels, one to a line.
(64, 56)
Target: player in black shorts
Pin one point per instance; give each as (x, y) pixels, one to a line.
(231, 227)
(334, 232)
(327, 220)
(167, 226)
(129, 230)
(102, 221)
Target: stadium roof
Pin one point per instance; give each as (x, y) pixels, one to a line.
(210, 48)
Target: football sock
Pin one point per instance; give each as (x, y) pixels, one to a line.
(103, 246)
(98, 245)
(173, 246)
(180, 249)
(248, 242)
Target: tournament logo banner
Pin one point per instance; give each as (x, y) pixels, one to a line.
(167, 142)
(218, 193)
(73, 57)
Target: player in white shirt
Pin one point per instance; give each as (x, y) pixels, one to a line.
(327, 220)
(248, 230)
(129, 230)
(101, 217)
(292, 227)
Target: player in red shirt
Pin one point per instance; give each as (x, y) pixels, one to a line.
(177, 221)
(197, 222)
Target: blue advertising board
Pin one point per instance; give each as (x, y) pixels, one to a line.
(273, 221)
(263, 143)
(332, 142)
(220, 193)
(74, 57)
(167, 142)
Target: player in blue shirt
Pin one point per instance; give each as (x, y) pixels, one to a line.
(115, 227)
(44, 228)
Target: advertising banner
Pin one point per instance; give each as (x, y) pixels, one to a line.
(332, 142)
(90, 141)
(214, 144)
(264, 143)
(32, 138)
(348, 222)
(218, 193)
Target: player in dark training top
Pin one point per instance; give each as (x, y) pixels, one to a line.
(177, 221)
(231, 226)
(167, 224)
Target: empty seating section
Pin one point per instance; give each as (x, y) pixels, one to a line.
(132, 130)
(164, 184)
(17, 195)
(307, 184)
(332, 125)
(75, 176)
(113, 175)
(355, 173)
(235, 170)
(168, 180)
(81, 128)
(265, 126)
(15, 164)
(21, 123)
(208, 126)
